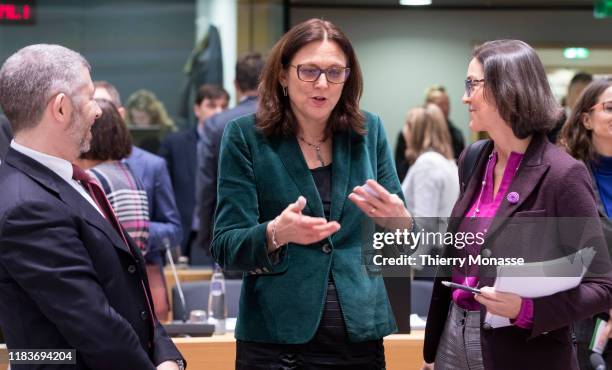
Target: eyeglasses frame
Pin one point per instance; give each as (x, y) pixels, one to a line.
(347, 71)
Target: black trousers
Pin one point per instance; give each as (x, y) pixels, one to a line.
(329, 349)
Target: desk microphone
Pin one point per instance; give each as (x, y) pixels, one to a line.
(183, 328)
(177, 281)
(597, 361)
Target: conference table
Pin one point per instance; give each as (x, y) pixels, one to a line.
(402, 351)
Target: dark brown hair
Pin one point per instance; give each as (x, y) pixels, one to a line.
(248, 71)
(274, 115)
(515, 81)
(111, 139)
(574, 137)
(211, 92)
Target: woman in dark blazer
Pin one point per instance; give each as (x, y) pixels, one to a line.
(528, 185)
(586, 136)
(291, 207)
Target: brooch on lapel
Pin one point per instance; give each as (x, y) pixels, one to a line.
(513, 197)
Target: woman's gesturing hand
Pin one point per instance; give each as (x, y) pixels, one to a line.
(386, 209)
(294, 227)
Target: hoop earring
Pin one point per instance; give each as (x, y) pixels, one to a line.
(284, 90)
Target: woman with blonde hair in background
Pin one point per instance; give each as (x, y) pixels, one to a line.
(431, 186)
(145, 111)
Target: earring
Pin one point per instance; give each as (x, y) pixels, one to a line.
(284, 90)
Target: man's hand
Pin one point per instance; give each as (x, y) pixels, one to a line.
(168, 365)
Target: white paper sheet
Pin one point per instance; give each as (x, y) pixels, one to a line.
(540, 279)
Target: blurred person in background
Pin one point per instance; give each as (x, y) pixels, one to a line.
(431, 186)
(587, 136)
(575, 88)
(180, 150)
(577, 84)
(248, 71)
(164, 219)
(145, 111)
(437, 95)
(110, 144)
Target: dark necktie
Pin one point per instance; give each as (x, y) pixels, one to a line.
(99, 197)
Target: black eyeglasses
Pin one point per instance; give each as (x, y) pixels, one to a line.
(470, 84)
(311, 73)
(605, 107)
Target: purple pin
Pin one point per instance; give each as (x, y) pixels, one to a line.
(513, 197)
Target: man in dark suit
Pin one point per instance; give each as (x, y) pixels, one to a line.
(180, 152)
(70, 277)
(248, 70)
(6, 135)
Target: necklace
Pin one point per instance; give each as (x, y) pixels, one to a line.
(484, 183)
(317, 148)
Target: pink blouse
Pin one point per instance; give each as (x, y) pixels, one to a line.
(477, 219)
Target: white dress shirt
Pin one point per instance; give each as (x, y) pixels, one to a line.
(60, 166)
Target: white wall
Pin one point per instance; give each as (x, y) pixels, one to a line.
(402, 52)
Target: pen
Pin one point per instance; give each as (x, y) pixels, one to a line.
(462, 287)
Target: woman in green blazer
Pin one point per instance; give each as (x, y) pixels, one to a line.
(292, 204)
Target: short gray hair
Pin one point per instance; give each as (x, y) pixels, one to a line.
(34, 74)
(111, 90)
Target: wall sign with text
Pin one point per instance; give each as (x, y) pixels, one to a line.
(17, 12)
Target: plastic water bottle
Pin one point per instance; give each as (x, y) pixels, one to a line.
(217, 309)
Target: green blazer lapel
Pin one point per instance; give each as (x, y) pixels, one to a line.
(341, 168)
(291, 156)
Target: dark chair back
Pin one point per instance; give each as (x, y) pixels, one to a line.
(421, 296)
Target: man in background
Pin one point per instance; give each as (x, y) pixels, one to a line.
(72, 278)
(164, 221)
(437, 95)
(180, 152)
(248, 70)
(577, 84)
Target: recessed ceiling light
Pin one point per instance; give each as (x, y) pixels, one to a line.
(415, 2)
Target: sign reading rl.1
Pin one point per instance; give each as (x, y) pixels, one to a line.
(17, 12)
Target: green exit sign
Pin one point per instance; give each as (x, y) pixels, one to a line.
(603, 8)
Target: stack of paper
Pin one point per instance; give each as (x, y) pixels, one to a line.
(540, 279)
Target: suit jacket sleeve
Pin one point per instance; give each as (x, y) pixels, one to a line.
(164, 348)
(165, 151)
(387, 176)
(239, 241)
(206, 184)
(165, 223)
(594, 294)
(50, 262)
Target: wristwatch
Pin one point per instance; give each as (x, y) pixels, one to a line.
(181, 364)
